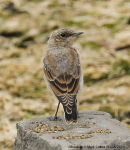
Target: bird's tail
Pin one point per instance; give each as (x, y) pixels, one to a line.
(71, 117)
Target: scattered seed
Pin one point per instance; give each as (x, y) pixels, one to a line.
(85, 126)
(68, 137)
(89, 132)
(40, 133)
(41, 127)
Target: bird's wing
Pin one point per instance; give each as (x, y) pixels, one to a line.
(64, 86)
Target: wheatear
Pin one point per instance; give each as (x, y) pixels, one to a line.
(62, 71)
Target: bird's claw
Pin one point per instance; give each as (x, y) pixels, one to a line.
(55, 118)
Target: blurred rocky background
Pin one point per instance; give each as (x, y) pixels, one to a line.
(105, 56)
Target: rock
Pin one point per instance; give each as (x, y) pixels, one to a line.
(96, 130)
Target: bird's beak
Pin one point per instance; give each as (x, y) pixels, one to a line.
(77, 33)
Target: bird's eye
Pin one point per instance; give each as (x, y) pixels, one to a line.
(63, 35)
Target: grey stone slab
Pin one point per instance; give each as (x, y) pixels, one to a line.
(118, 139)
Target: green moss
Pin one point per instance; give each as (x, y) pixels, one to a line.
(120, 113)
(28, 115)
(53, 4)
(99, 99)
(122, 84)
(128, 125)
(89, 80)
(107, 109)
(35, 0)
(31, 90)
(90, 44)
(102, 98)
(74, 0)
(119, 68)
(1, 15)
(5, 15)
(110, 25)
(15, 55)
(114, 26)
(122, 66)
(72, 23)
(31, 112)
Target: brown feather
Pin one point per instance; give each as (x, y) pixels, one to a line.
(65, 87)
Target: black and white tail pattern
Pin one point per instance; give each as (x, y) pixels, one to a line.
(72, 116)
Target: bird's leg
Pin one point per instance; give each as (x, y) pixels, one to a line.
(55, 118)
(78, 114)
(77, 110)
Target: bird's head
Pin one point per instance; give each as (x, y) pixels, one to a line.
(63, 37)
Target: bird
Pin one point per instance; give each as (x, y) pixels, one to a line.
(62, 71)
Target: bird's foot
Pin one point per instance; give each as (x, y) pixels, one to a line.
(78, 114)
(55, 118)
